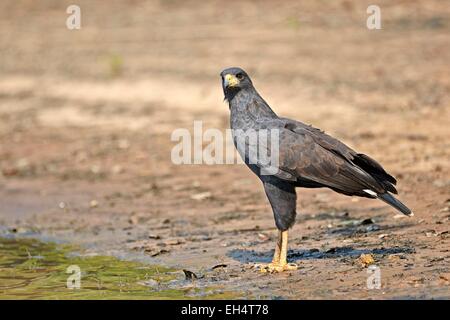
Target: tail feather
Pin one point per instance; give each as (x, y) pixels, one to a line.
(376, 171)
(374, 168)
(389, 199)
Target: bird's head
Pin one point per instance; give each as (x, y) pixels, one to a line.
(233, 80)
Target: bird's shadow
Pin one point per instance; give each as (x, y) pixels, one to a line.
(246, 256)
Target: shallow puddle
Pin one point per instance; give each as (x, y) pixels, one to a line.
(31, 269)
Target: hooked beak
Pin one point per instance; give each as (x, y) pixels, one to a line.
(230, 81)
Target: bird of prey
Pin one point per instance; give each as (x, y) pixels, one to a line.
(307, 157)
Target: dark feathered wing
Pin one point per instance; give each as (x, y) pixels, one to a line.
(310, 154)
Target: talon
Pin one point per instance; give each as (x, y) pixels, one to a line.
(275, 267)
(266, 267)
(291, 266)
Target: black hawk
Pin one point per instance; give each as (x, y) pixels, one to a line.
(306, 157)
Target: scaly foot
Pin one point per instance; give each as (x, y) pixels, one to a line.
(275, 267)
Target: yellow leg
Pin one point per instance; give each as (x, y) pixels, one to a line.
(276, 255)
(284, 243)
(279, 262)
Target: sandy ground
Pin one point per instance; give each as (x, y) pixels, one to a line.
(86, 119)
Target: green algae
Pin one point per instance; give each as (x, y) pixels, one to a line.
(31, 269)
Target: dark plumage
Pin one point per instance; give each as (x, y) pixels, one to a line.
(308, 157)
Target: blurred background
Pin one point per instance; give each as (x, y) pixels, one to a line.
(86, 115)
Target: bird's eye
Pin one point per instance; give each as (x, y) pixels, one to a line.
(240, 76)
